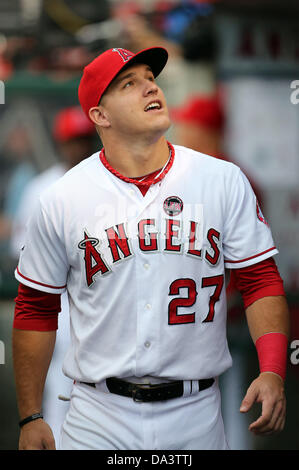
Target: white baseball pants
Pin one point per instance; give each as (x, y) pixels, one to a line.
(100, 420)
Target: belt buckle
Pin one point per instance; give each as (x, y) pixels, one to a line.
(134, 392)
(136, 388)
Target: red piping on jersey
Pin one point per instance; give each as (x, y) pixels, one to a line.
(146, 183)
(251, 257)
(39, 283)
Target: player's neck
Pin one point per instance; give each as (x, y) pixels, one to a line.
(137, 159)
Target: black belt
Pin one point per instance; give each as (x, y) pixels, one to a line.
(150, 392)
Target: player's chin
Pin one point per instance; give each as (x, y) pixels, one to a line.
(161, 122)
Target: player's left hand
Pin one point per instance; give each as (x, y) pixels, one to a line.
(267, 389)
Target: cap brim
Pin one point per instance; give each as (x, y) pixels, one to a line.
(155, 57)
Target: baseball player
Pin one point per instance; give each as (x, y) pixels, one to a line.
(140, 235)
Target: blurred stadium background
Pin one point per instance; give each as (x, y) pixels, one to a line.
(245, 51)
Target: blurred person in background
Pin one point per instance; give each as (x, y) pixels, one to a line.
(199, 124)
(139, 33)
(17, 154)
(184, 28)
(73, 134)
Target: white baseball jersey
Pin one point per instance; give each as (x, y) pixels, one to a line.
(145, 275)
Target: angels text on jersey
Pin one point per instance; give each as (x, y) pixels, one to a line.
(149, 241)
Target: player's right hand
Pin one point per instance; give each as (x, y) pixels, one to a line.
(267, 389)
(36, 435)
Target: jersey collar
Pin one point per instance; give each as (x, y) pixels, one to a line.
(147, 181)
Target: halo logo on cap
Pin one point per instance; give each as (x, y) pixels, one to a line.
(173, 205)
(125, 55)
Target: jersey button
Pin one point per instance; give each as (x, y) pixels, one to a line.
(146, 266)
(147, 344)
(148, 306)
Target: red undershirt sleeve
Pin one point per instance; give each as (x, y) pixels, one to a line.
(36, 310)
(257, 281)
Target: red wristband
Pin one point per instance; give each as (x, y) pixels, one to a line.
(272, 352)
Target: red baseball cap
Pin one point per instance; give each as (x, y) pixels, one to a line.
(203, 110)
(70, 123)
(98, 75)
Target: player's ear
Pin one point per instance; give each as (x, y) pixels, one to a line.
(99, 116)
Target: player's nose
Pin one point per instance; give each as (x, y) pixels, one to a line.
(150, 88)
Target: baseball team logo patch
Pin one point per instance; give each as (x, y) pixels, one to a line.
(173, 205)
(260, 214)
